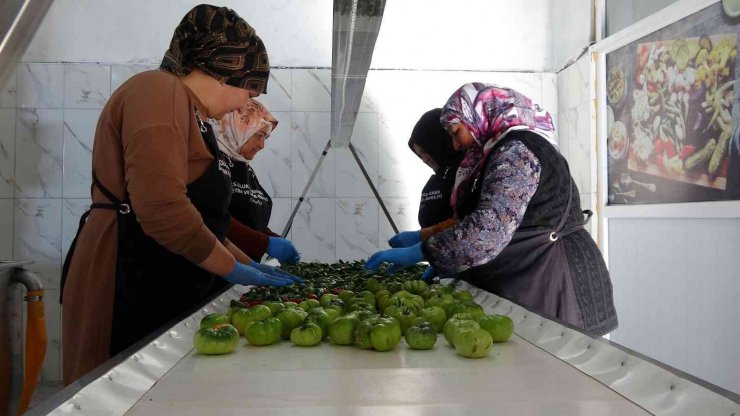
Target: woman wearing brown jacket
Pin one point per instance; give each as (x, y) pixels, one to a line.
(154, 243)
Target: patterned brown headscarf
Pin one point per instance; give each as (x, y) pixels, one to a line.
(220, 43)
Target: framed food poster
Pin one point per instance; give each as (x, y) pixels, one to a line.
(672, 111)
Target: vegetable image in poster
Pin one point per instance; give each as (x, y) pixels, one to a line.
(673, 112)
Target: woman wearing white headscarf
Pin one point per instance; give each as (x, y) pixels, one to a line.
(241, 135)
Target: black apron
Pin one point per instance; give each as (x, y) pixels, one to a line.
(153, 285)
(250, 204)
(533, 269)
(435, 198)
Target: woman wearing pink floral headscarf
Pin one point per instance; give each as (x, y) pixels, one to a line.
(241, 135)
(518, 229)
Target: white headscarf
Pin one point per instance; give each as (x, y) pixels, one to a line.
(237, 127)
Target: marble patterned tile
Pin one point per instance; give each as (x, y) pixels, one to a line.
(400, 173)
(52, 367)
(40, 85)
(273, 164)
(72, 210)
(7, 152)
(86, 85)
(565, 132)
(309, 136)
(350, 182)
(405, 213)
(281, 210)
(38, 153)
(550, 94)
(314, 230)
(357, 228)
(279, 95)
(370, 97)
(79, 131)
(311, 89)
(6, 228)
(580, 149)
(9, 91)
(38, 237)
(121, 73)
(573, 84)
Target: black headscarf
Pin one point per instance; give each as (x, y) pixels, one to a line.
(220, 43)
(429, 134)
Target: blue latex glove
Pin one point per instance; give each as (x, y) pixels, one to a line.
(283, 250)
(247, 275)
(275, 272)
(402, 257)
(405, 239)
(429, 274)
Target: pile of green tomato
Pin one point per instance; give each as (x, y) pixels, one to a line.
(375, 318)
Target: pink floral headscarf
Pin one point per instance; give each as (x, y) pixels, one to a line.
(237, 127)
(490, 112)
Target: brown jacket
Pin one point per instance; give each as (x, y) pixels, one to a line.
(147, 148)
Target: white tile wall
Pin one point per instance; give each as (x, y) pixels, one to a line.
(8, 92)
(6, 228)
(86, 85)
(47, 122)
(79, 131)
(38, 153)
(40, 85)
(7, 152)
(273, 165)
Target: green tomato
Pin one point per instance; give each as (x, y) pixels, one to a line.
(384, 299)
(436, 315)
(373, 285)
(309, 304)
(499, 326)
(320, 317)
(403, 294)
(416, 287)
(220, 339)
(232, 310)
(404, 315)
(275, 307)
(242, 318)
(336, 304)
(381, 334)
(261, 312)
(213, 319)
(473, 343)
(333, 313)
(394, 287)
(453, 326)
(290, 305)
(469, 307)
(463, 295)
(422, 336)
(346, 295)
(326, 298)
(368, 296)
(363, 314)
(291, 318)
(464, 316)
(264, 332)
(435, 301)
(443, 289)
(342, 330)
(361, 305)
(428, 295)
(306, 335)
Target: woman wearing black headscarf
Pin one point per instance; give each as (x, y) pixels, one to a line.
(431, 143)
(154, 243)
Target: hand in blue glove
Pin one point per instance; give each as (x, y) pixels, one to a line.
(429, 274)
(247, 275)
(275, 272)
(402, 257)
(283, 250)
(405, 239)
